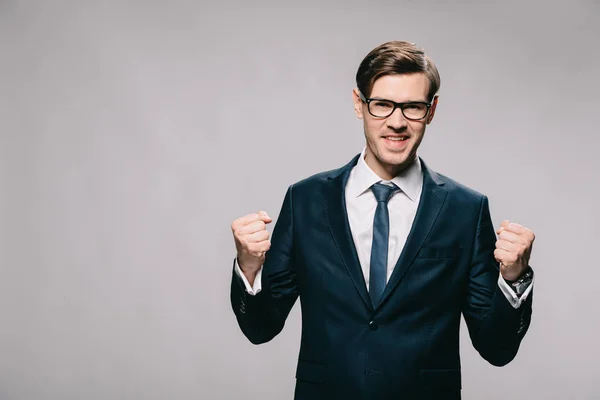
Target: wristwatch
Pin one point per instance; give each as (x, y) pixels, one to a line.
(522, 283)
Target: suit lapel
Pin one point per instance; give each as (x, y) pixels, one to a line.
(432, 199)
(337, 216)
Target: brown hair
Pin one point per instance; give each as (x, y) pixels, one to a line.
(395, 58)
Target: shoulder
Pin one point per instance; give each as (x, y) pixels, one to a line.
(460, 193)
(307, 187)
(461, 189)
(317, 180)
(464, 200)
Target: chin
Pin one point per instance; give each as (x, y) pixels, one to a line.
(395, 157)
(398, 160)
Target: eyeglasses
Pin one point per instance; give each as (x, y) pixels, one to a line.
(382, 108)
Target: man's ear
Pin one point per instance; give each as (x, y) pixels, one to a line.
(358, 104)
(432, 110)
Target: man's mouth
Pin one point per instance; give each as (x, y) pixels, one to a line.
(397, 138)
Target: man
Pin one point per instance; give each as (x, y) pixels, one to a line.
(385, 254)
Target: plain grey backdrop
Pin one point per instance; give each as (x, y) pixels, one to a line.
(134, 133)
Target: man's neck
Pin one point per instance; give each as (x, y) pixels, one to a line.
(387, 172)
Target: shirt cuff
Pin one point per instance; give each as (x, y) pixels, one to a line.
(510, 294)
(253, 291)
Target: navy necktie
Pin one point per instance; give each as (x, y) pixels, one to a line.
(379, 248)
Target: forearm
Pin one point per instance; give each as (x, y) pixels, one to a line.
(497, 332)
(257, 315)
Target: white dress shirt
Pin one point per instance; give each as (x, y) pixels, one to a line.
(402, 207)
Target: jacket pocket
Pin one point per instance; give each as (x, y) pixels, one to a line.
(439, 252)
(448, 379)
(310, 372)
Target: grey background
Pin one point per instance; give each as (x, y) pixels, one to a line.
(133, 134)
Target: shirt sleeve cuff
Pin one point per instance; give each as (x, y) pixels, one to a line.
(510, 294)
(253, 291)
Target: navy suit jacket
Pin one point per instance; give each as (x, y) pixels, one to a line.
(407, 347)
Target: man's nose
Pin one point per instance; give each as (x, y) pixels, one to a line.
(397, 120)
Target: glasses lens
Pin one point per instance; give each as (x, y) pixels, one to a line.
(415, 110)
(381, 108)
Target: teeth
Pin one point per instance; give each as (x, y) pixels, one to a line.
(395, 138)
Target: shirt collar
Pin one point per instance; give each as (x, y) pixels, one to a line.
(410, 181)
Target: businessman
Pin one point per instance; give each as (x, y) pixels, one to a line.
(385, 255)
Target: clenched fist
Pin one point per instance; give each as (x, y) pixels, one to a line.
(251, 241)
(513, 249)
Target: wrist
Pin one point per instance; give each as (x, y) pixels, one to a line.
(522, 282)
(247, 269)
(515, 278)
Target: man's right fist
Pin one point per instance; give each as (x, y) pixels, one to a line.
(251, 241)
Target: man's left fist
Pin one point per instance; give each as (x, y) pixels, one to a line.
(513, 249)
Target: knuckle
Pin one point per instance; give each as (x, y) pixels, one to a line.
(264, 248)
(251, 247)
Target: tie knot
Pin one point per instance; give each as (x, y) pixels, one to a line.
(383, 192)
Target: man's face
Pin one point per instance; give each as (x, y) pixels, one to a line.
(392, 142)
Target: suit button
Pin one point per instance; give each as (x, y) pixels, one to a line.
(373, 325)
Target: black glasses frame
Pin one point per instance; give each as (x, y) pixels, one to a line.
(396, 105)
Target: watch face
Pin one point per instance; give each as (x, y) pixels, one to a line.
(523, 283)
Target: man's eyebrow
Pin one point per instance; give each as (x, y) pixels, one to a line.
(409, 101)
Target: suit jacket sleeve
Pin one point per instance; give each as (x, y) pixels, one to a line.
(262, 317)
(495, 327)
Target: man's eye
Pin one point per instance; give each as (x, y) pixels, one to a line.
(383, 104)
